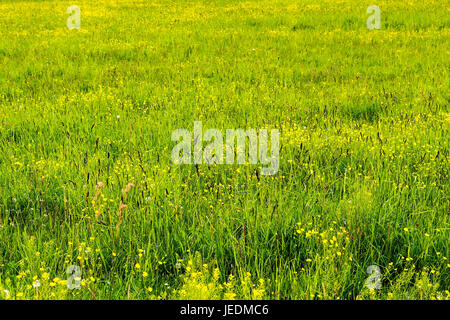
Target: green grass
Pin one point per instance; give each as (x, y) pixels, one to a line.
(364, 169)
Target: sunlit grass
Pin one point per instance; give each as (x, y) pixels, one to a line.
(86, 177)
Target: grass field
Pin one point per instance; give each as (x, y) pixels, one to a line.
(86, 177)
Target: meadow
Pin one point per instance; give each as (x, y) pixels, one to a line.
(86, 177)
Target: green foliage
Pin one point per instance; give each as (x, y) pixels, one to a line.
(86, 177)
